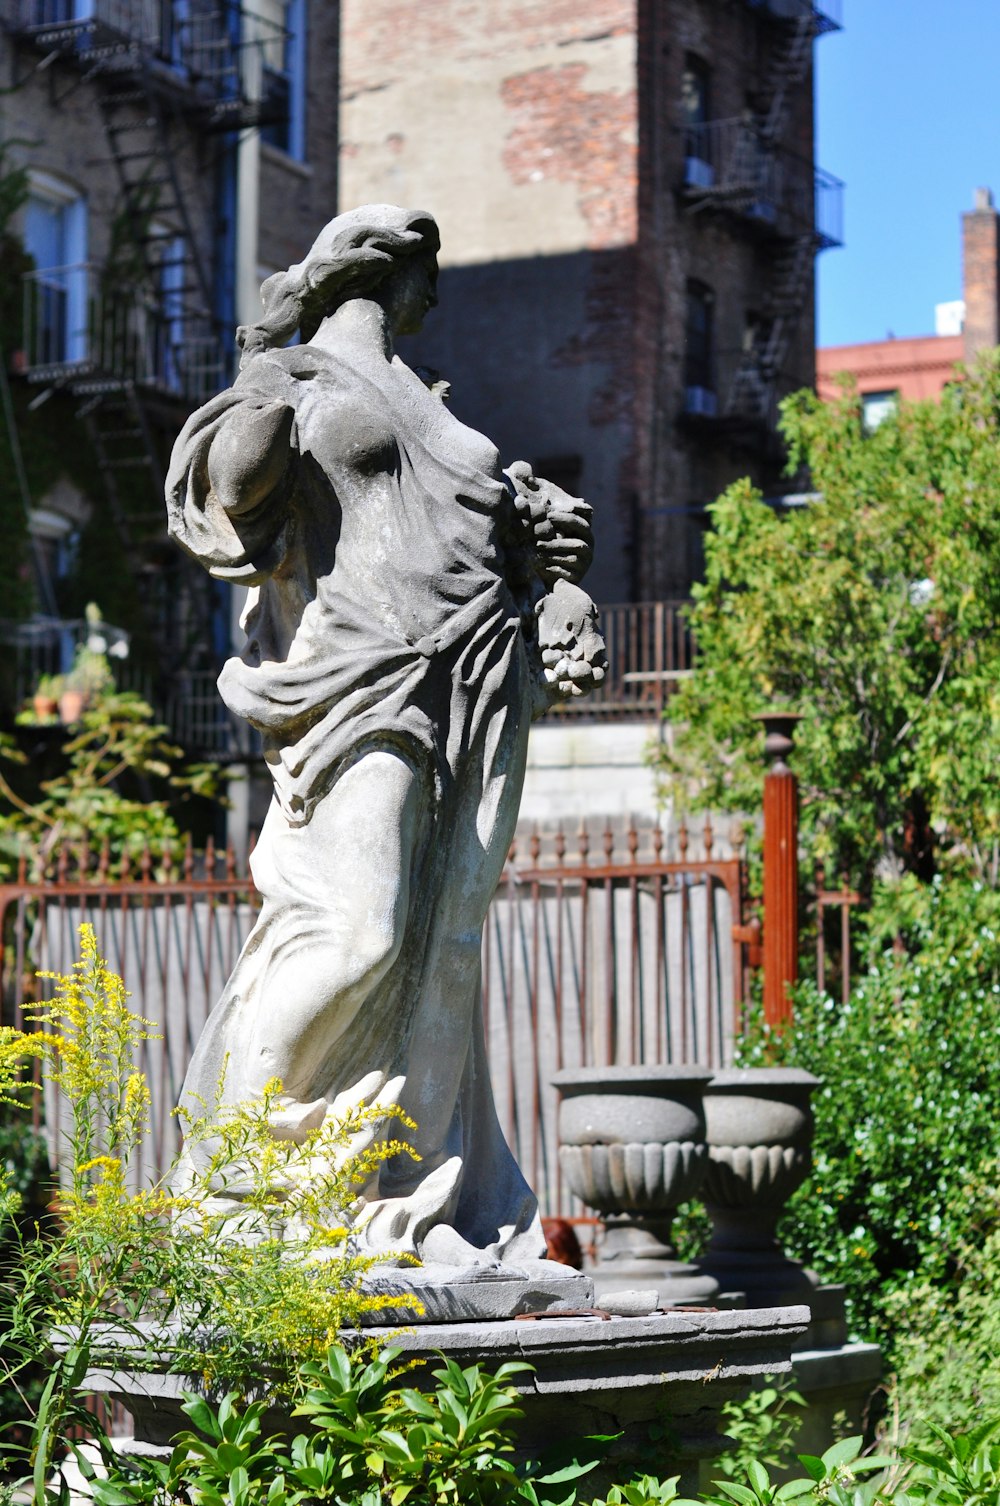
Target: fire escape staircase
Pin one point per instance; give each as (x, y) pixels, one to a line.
(157, 347)
(752, 393)
(745, 181)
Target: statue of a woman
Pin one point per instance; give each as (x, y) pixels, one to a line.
(409, 607)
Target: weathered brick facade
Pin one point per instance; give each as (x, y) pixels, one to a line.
(549, 141)
(139, 326)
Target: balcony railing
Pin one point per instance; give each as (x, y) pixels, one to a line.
(828, 15)
(741, 391)
(732, 164)
(78, 324)
(215, 50)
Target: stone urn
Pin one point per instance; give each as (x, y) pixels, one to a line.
(632, 1147)
(758, 1123)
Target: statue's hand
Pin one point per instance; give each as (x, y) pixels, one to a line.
(573, 655)
(560, 525)
(249, 455)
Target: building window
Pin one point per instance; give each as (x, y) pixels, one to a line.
(695, 117)
(699, 354)
(168, 346)
(55, 236)
(876, 407)
(282, 26)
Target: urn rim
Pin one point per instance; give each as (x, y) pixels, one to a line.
(641, 1079)
(740, 1080)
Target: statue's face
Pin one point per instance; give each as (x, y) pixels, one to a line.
(409, 293)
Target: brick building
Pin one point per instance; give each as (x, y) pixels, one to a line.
(163, 158)
(921, 366)
(630, 212)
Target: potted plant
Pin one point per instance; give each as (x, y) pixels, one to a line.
(45, 701)
(89, 676)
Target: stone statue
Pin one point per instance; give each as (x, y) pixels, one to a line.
(410, 608)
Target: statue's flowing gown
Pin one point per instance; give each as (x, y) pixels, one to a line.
(381, 619)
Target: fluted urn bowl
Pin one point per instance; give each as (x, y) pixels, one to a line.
(632, 1147)
(632, 1139)
(758, 1124)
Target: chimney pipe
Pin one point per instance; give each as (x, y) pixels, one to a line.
(981, 282)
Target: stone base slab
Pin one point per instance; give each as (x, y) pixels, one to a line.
(590, 1374)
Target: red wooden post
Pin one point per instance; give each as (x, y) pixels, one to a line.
(781, 876)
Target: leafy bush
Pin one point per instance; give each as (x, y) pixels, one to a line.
(947, 1344)
(908, 1117)
(377, 1442)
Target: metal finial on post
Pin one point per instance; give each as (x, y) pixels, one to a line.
(781, 876)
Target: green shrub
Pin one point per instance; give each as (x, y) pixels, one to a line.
(908, 1116)
(947, 1346)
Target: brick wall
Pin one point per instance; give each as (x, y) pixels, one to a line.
(546, 139)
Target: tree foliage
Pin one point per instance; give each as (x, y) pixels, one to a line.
(874, 611)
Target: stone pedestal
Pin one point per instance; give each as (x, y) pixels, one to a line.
(450, 1294)
(589, 1375)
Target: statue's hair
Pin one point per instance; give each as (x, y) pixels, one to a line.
(349, 258)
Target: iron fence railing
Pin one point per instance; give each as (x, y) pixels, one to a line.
(620, 955)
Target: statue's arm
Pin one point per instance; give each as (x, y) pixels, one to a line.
(550, 551)
(558, 528)
(230, 480)
(249, 455)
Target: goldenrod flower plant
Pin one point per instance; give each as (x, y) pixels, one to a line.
(236, 1273)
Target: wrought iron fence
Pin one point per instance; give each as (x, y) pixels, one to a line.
(622, 955)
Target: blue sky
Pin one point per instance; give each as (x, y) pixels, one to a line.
(908, 114)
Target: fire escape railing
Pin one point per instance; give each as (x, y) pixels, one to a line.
(827, 15)
(81, 325)
(732, 164)
(209, 50)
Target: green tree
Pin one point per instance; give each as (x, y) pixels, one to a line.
(875, 612)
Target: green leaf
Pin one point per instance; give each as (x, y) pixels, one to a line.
(759, 1478)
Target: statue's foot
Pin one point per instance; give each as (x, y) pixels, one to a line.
(292, 1120)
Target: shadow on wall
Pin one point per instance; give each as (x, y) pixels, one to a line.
(538, 353)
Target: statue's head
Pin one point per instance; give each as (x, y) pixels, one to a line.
(357, 255)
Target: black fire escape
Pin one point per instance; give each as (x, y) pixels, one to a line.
(139, 341)
(742, 167)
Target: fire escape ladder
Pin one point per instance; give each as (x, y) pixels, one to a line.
(122, 436)
(789, 68)
(752, 393)
(137, 123)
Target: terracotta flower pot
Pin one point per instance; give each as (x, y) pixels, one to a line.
(71, 704)
(44, 707)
